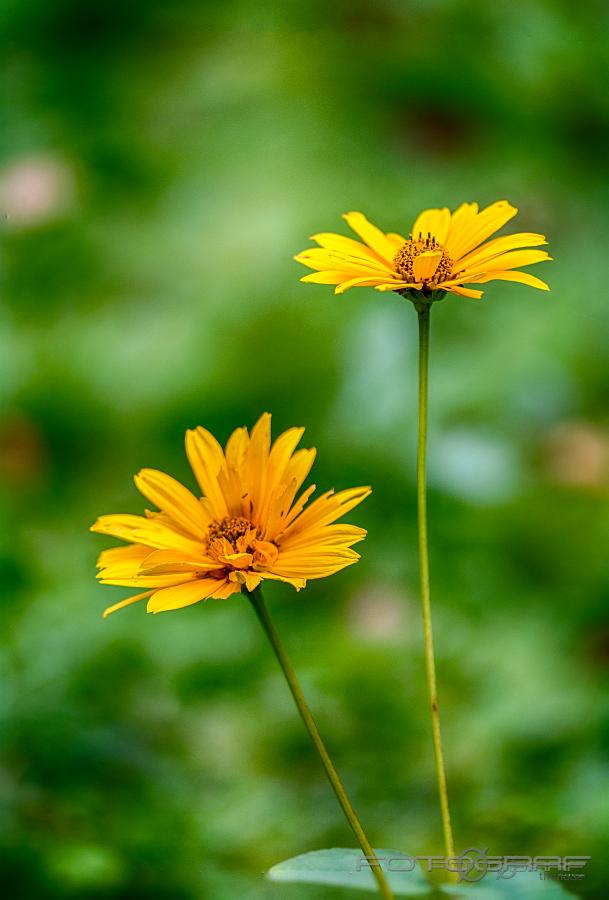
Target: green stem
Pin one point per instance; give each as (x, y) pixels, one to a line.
(333, 777)
(423, 311)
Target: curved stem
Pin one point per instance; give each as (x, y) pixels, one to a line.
(333, 777)
(423, 311)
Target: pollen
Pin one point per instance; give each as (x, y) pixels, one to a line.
(408, 252)
(231, 528)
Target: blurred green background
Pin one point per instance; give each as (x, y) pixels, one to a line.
(160, 166)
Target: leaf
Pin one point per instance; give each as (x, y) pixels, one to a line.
(521, 886)
(348, 868)
(341, 867)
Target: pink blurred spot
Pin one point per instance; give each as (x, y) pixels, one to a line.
(379, 613)
(22, 451)
(34, 190)
(577, 454)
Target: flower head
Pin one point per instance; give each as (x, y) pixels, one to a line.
(443, 252)
(247, 526)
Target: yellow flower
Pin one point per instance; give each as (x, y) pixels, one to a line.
(443, 252)
(247, 526)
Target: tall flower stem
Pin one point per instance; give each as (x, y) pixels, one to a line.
(269, 629)
(423, 310)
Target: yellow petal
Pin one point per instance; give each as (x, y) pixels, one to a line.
(226, 590)
(122, 603)
(313, 564)
(236, 560)
(289, 515)
(314, 556)
(424, 266)
(433, 221)
(173, 499)
(256, 465)
(236, 448)
(231, 479)
(207, 461)
(333, 277)
(298, 583)
(145, 581)
(149, 531)
(397, 286)
(358, 282)
(519, 277)
(123, 569)
(280, 472)
(475, 229)
(512, 260)
(327, 509)
(161, 562)
(337, 536)
(330, 260)
(280, 500)
(251, 580)
(464, 292)
(132, 553)
(460, 222)
(500, 245)
(182, 595)
(346, 245)
(372, 235)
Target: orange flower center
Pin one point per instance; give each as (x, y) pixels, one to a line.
(408, 252)
(245, 548)
(232, 528)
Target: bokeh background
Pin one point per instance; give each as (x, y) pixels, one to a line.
(160, 165)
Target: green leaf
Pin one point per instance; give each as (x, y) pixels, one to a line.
(347, 868)
(342, 867)
(521, 886)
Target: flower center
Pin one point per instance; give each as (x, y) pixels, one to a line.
(246, 550)
(408, 252)
(232, 528)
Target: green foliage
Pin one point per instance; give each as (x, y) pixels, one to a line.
(340, 867)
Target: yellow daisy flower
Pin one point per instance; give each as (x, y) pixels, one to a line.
(443, 252)
(247, 526)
